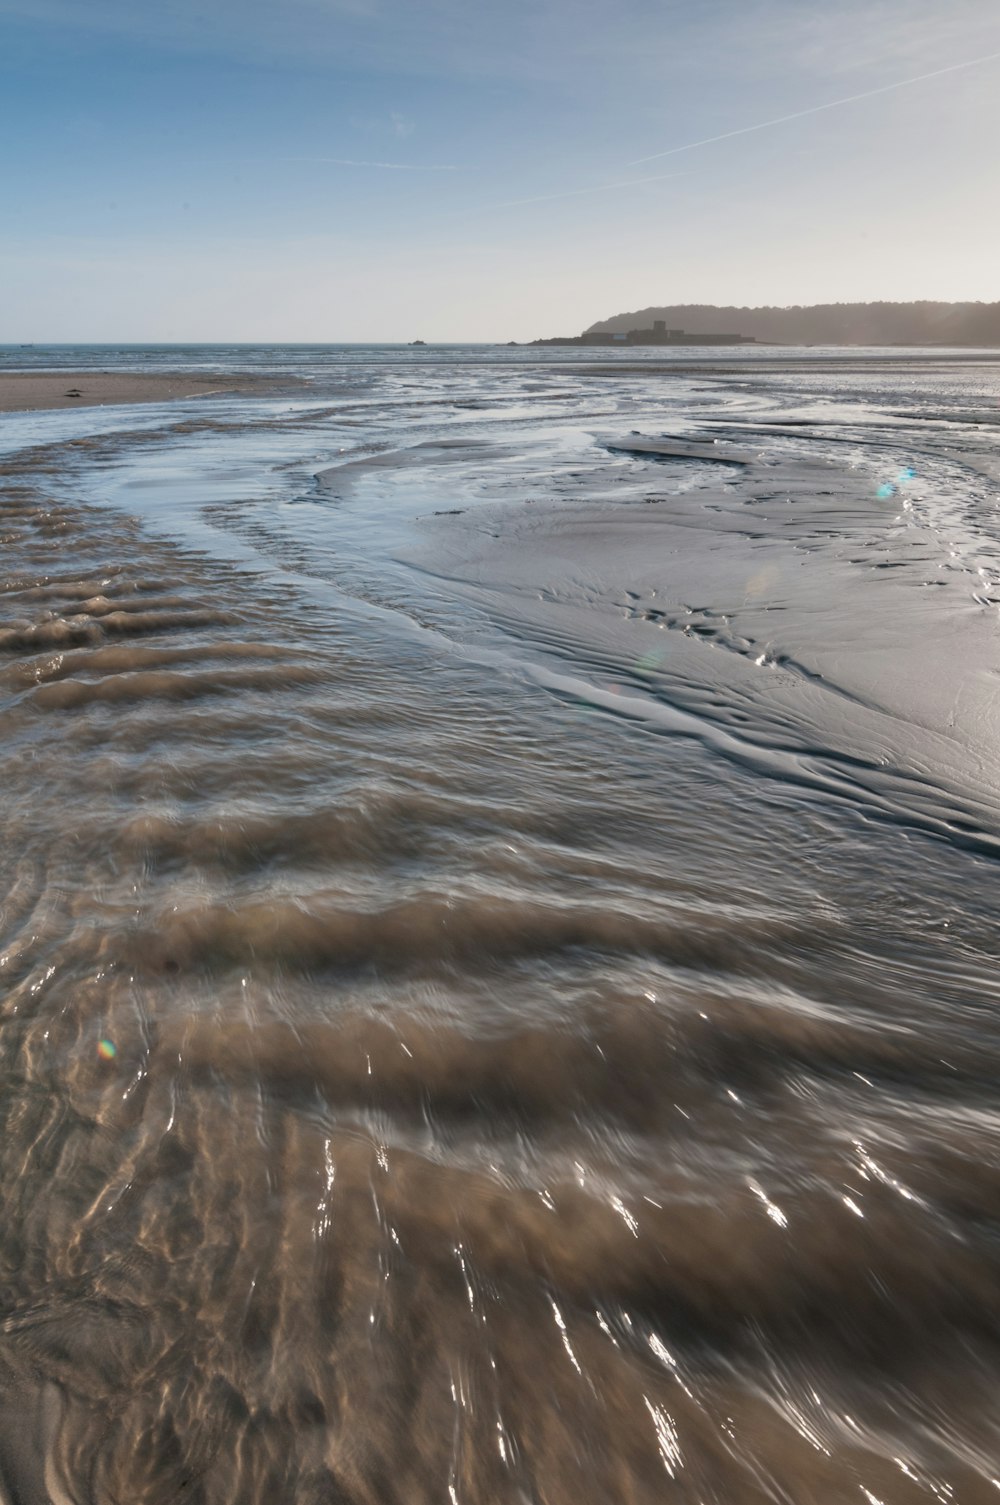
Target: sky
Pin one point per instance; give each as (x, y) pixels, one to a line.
(363, 170)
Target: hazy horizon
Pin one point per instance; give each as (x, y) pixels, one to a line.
(355, 170)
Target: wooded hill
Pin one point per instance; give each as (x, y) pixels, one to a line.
(922, 323)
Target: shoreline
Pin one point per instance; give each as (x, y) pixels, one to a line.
(39, 391)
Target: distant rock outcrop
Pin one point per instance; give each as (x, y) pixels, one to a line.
(924, 323)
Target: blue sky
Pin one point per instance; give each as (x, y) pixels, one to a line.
(374, 169)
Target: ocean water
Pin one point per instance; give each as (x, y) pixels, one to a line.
(498, 930)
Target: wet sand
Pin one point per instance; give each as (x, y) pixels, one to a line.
(498, 1002)
(777, 610)
(29, 391)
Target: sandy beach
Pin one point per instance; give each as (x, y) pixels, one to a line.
(27, 391)
(499, 993)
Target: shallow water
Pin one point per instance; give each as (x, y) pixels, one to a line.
(498, 957)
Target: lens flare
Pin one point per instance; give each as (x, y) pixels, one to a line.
(649, 662)
(107, 1050)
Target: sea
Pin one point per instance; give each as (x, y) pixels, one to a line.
(499, 988)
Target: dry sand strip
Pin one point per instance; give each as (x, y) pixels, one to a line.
(25, 391)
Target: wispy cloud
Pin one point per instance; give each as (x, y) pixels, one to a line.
(833, 104)
(388, 166)
(572, 193)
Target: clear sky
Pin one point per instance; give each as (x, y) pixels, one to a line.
(449, 169)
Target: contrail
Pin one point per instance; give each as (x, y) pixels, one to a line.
(572, 193)
(390, 166)
(833, 104)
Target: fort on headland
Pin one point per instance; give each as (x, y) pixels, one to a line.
(658, 334)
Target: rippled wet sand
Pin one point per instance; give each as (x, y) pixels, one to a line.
(424, 1084)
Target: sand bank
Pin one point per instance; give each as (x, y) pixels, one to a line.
(788, 609)
(24, 391)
